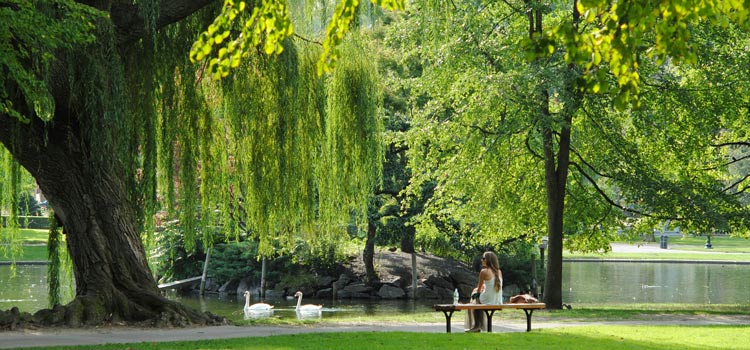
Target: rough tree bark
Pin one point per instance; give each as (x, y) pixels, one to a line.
(368, 255)
(113, 280)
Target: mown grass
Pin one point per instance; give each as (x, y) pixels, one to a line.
(580, 338)
(726, 249)
(660, 256)
(634, 312)
(722, 244)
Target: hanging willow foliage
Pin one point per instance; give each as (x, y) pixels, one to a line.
(274, 151)
(54, 249)
(10, 179)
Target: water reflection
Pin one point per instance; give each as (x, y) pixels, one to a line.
(257, 314)
(27, 290)
(615, 282)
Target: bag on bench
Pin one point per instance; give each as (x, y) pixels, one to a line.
(523, 299)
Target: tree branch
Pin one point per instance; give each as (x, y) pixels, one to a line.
(604, 195)
(310, 41)
(734, 160)
(131, 25)
(589, 166)
(533, 153)
(737, 183)
(737, 143)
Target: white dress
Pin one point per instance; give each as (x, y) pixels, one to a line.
(490, 296)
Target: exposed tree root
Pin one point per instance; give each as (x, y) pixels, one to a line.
(87, 312)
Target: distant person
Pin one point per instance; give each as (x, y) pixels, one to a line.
(489, 290)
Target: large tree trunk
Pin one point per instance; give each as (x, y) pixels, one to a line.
(112, 279)
(556, 175)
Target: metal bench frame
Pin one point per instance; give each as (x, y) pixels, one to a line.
(489, 310)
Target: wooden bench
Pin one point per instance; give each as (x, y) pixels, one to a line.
(489, 310)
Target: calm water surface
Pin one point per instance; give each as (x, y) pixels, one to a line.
(583, 282)
(618, 282)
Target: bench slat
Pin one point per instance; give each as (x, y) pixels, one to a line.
(440, 307)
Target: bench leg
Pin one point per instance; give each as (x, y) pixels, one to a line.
(528, 318)
(489, 314)
(448, 315)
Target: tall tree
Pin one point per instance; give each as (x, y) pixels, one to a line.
(507, 110)
(104, 109)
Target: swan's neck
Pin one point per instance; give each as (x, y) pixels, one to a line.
(299, 301)
(247, 300)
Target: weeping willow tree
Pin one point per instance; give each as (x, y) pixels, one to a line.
(112, 119)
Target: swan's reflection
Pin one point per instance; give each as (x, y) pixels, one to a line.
(257, 314)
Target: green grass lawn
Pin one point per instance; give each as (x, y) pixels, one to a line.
(727, 248)
(579, 338)
(722, 244)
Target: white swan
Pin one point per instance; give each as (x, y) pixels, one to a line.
(257, 307)
(307, 308)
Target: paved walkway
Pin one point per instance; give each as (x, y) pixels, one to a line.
(654, 248)
(107, 335)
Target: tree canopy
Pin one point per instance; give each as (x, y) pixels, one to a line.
(624, 114)
(508, 101)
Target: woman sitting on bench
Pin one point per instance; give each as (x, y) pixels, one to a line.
(489, 290)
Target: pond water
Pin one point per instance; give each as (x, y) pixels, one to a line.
(638, 282)
(231, 306)
(583, 282)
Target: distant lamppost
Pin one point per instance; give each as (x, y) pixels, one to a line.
(542, 247)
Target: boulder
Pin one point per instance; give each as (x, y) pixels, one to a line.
(324, 281)
(438, 282)
(358, 288)
(463, 277)
(464, 290)
(388, 291)
(341, 282)
(398, 281)
(229, 287)
(326, 293)
(243, 285)
(444, 293)
(423, 292)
